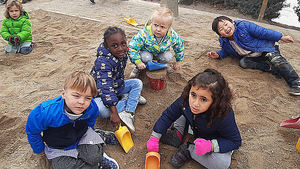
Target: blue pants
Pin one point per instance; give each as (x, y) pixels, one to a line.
(133, 88)
(23, 48)
(283, 68)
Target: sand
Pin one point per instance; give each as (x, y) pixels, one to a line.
(67, 34)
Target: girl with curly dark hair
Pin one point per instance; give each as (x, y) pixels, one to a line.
(205, 105)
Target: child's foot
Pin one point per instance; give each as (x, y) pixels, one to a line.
(134, 73)
(172, 137)
(295, 91)
(181, 156)
(107, 136)
(108, 163)
(93, 2)
(128, 119)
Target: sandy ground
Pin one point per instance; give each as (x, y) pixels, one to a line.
(67, 34)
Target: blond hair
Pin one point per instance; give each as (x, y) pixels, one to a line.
(11, 3)
(81, 81)
(163, 12)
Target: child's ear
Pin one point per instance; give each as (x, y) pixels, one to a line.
(63, 94)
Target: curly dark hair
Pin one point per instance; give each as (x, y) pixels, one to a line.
(110, 31)
(221, 94)
(214, 25)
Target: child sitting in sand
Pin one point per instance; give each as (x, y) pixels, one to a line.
(16, 28)
(117, 98)
(205, 105)
(255, 47)
(67, 125)
(155, 41)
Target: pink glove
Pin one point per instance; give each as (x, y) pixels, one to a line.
(152, 144)
(202, 146)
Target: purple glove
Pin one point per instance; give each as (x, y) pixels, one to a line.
(202, 146)
(152, 144)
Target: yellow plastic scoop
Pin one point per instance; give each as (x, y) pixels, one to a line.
(131, 21)
(152, 160)
(124, 137)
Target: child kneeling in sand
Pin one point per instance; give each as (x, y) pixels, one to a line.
(255, 47)
(155, 41)
(16, 28)
(67, 123)
(117, 98)
(205, 106)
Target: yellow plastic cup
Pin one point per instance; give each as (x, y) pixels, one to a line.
(124, 137)
(131, 21)
(298, 145)
(152, 160)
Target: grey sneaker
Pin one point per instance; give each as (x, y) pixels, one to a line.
(295, 91)
(134, 73)
(181, 156)
(128, 119)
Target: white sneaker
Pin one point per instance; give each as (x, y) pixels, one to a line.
(134, 73)
(142, 100)
(108, 163)
(128, 119)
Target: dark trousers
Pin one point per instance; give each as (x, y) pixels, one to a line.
(89, 157)
(279, 66)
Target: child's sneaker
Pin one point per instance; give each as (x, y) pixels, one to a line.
(108, 163)
(107, 136)
(172, 138)
(134, 73)
(142, 100)
(181, 156)
(295, 91)
(127, 118)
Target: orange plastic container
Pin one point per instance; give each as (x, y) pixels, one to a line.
(152, 160)
(298, 145)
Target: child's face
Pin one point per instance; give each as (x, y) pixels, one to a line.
(226, 29)
(160, 26)
(14, 12)
(199, 99)
(77, 101)
(117, 45)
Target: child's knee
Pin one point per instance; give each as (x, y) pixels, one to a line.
(91, 153)
(243, 63)
(146, 56)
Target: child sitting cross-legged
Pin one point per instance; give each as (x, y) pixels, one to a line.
(205, 107)
(63, 128)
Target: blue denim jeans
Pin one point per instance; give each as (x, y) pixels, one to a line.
(133, 88)
(283, 68)
(23, 48)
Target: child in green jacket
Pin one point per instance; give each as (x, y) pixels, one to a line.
(16, 28)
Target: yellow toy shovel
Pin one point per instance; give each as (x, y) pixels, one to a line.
(152, 160)
(124, 137)
(131, 21)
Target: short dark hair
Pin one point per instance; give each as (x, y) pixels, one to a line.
(110, 31)
(213, 81)
(216, 21)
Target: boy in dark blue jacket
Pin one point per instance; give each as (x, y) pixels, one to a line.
(256, 47)
(67, 123)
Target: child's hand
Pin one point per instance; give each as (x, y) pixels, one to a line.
(202, 146)
(213, 55)
(152, 144)
(177, 65)
(17, 39)
(141, 66)
(287, 39)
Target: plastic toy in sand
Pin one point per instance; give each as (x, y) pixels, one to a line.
(124, 137)
(157, 79)
(291, 123)
(152, 160)
(153, 65)
(131, 21)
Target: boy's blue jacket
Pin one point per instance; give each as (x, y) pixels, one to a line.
(224, 130)
(51, 113)
(108, 72)
(251, 37)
